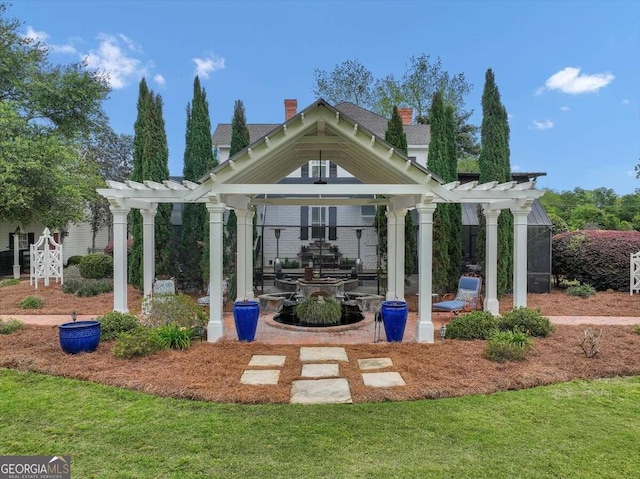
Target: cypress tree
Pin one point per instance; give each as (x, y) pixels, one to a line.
(495, 166)
(156, 168)
(397, 138)
(455, 209)
(150, 162)
(239, 140)
(198, 160)
(438, 164)
(135, 255)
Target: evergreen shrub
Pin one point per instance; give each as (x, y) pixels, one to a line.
(9, 282)
(582, 290)
(473, 325)
(136, 343)
(10, 325)
(505, 346)
(596, 257)
(96, 266)
(74, 260)
(319, 310)
(114, 323)
(176, 309)
(529, 321)
(31, 302)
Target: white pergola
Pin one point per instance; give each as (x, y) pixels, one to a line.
(388, 177)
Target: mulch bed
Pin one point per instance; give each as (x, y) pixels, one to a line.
(211, 371)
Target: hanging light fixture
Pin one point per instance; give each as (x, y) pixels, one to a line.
(320, 181)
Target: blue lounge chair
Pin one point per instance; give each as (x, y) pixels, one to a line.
(466, 299)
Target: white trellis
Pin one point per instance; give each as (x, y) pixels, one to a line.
(635, 273)
(45, 260)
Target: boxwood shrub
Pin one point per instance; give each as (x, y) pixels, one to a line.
(595, 257)
(508, 346)
(529, 321)
(114, 323)
(96, 266)
(474, 325)
(136, 343)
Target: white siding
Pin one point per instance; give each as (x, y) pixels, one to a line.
(78, 242)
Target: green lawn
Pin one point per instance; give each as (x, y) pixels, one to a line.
(580, 429)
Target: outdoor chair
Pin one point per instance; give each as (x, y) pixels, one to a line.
(467, 298)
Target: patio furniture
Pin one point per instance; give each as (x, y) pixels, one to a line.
(467, 298)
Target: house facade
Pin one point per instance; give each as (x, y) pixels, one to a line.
(76, 241)
(300, 227)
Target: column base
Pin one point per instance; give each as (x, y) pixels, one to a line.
(492, 305)
(425, 332)
(121, 310)
(215, 331)
(16, 272)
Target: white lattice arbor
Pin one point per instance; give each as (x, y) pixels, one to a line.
(46, 260)
(388, 177)
(634, 268)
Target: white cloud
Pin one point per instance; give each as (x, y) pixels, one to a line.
(565, 108)
(541, 125)
(569, 80)
(113, 57)
(35, 35)
(625, 102)
(67, 49)
(159, 79)
(208, 64)
(516, 168)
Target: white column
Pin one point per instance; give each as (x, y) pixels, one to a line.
(520, 256)
(215, 329)
(248, 260)
(391, 255)
(241, 269)
(425, 259)
(400, 252)
(491, 303)
(148, 248)
(16, 255)
(119, 258)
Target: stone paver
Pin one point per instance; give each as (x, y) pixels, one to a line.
(267, 360)
(374, 363)
(320, 370)
(383, 380)
(321, 391)
(308, 354)
(259, 377)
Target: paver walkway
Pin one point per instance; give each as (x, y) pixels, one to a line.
(321, 368)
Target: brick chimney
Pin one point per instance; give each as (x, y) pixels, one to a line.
(406, 114)
(290, 109)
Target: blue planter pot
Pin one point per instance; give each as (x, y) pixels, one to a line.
(79, 337)
(394, 318)
(245, 315)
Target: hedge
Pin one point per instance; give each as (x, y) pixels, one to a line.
(596, 257)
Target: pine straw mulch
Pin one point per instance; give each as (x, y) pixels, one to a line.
(211, 372)
(557, 303)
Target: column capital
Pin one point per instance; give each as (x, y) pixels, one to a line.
(491, 212)
(116, 208)
(149, 212)
(216, 207)
(426, 208)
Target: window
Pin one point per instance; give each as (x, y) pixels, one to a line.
(318, 222)
(318, 169)
(23, 241)
(368, 210)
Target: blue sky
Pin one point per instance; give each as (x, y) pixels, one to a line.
(568, 72)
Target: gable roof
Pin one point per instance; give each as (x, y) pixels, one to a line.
(417, 135)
